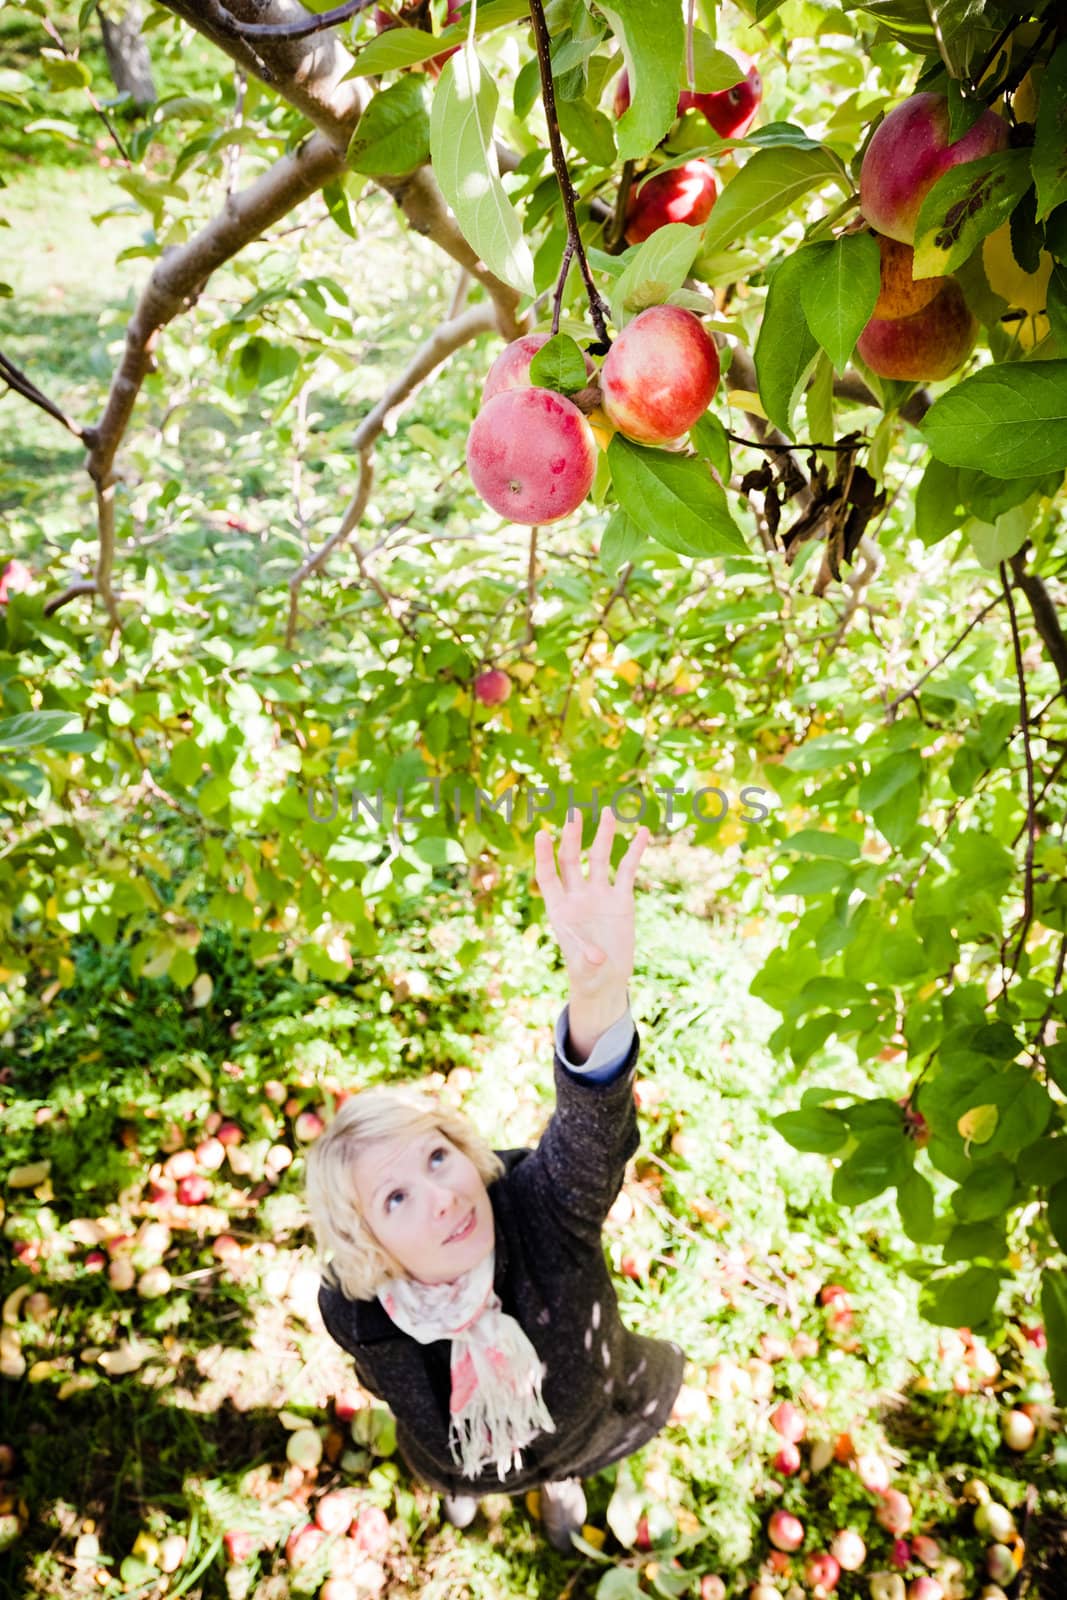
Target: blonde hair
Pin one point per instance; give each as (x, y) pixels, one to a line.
(350, 1257)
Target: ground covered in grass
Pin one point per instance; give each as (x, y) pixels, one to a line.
(168, 1373)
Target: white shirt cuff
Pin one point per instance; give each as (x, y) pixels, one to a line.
(610, 1050)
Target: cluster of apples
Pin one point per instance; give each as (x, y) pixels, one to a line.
(922, 328)
(687, 193)
(532, 453)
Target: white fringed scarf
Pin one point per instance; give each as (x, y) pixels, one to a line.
(496, 1402)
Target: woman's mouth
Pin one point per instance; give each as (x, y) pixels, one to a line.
(462, 1233)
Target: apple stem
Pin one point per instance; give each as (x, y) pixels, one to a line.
(597, 306)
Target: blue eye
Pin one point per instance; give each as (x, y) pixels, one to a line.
(439, 1150)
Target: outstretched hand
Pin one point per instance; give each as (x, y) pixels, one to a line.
(592, 918)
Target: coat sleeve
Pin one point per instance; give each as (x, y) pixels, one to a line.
(331, 1305)
(572, 1178)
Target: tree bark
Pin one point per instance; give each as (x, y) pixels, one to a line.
(127, 54)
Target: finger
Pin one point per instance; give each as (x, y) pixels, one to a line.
(627, 868)
(600, 850)
(545, 868)
(570, 853)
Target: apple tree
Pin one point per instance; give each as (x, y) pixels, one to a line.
(757, 332)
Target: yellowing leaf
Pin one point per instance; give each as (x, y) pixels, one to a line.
(978, 1125)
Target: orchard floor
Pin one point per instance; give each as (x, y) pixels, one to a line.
(145, 1418)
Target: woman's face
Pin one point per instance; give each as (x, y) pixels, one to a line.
(414, 1194)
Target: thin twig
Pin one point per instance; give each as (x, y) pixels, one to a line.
(1031, 816)
(1039, 1034)
(50, 29)
(801, 444)
(598, 308)
(910, 692)
(18, 382)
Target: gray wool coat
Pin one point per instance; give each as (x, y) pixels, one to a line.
(609, 1390)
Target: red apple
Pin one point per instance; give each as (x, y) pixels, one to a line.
(531, 455)
(894, 1512)
(492, 687)
(192, 1191)
(925, 1588)
(729, 111)
(732, 111)
(308, 1126)
(682, 194)
(210, 1154)
(334, 1512)
(225, 1247)
(831, 1292)
(787, 1461)
(785, 1531)
(821, 1572)
(660, 375)
(511, 369)
(238, 1545)
(372, 1531)
(926, 1550)
(712, 1587)
(181, 1164)
(848, 1550)
(16, 578)
(302, 1544)
(901, 295)
(787, 1421)
(926, 346)
(907, 154)
(873, 1473)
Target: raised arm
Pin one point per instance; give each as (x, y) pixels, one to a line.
(593, 920)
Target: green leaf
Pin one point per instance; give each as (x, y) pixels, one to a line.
(708, 438)
(393, 134)
(839, 290)
(821, 842)
(658, 267)
(1050, 136)
(986, 1193)
(34, 728)
(813, 1129)
(994, 542)
(713, 69)
(587, 130)
(652, 36)
(769, 182)
(915, 1202)
(559, 365)
(64, 72)
(962, 1302)
(1057, 1213)
(877, 1163)
(936, 502)
(971, 1241)
(786, 349)
(819, 754)
(890, 775)
(1054, 1316)
(407, 47)
(1004, 420)
(465, 166)
(965, 204)
(622, 541)
(337, 205)
(673, 499)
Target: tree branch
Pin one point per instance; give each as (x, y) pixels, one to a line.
(1046, 620)
(1031, 810)
(598, 310)
(442, 343)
